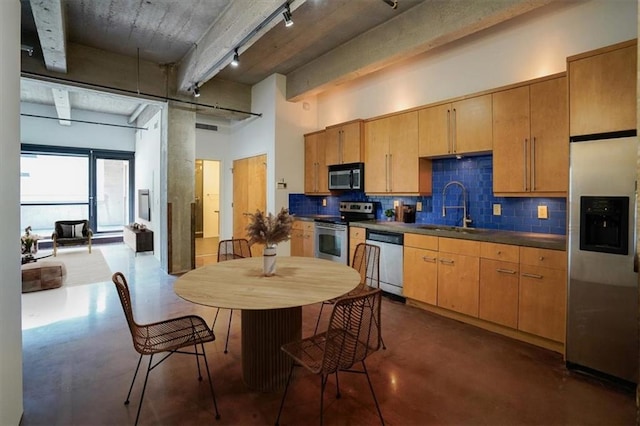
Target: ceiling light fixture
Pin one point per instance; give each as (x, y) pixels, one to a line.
(236, 59)
(392, 3)
(196, 91)
(287, 16)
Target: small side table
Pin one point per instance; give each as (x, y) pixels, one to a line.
(139, 240)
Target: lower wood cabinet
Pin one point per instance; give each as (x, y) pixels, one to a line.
(302, 238)
(420, 270)
(543, 293)
(459, 275)
(521, 288)
(356, 236)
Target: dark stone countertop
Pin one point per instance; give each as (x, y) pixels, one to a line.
(526, 239)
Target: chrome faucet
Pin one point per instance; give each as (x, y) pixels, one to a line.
(465, 220)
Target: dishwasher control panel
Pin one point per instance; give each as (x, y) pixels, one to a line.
(385, 237)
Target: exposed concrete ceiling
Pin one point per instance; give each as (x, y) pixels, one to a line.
(199, 37)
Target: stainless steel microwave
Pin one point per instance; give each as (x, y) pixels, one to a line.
(346, 177)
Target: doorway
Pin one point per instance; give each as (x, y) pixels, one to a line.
(249, 194)
(207, 200)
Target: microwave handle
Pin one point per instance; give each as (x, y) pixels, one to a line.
(351, 179)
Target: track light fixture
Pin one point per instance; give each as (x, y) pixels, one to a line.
(392, 3)
(196, 90)
(236, 59)
(287, 16)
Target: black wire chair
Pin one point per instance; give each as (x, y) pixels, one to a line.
(227, 250)
(170, 336)
(366, 260)
(353, 334)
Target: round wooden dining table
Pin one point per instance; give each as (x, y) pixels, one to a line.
(271, 306)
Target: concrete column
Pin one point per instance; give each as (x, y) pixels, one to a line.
(181, 155)
(11, 404)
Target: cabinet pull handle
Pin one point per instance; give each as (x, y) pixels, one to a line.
(536, 276)
(506, 271)
(341, 146)
(390, 172)
(429, 259)
(541, 258)
(447, 261)
(498, 252)
(448, 131)
(316, 186)
(386, 172)
(454, 139)
(524, 164)
(533, 164)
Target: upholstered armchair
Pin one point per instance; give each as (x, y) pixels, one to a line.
(71, 232)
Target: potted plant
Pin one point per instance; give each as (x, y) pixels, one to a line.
(269, 230)
(389, 213)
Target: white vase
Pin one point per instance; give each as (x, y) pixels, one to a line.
(269, 258)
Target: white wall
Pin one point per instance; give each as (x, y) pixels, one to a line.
(527, 47)
(11, 405)
(216, 145)
(42, 131)
(147, 175)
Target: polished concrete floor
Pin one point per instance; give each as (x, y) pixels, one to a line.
(79, 360)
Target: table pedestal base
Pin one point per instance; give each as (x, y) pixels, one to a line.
(264, 366)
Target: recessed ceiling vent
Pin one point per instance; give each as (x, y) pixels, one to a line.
(211, 127)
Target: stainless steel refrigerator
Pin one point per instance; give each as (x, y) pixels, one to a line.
(602, 324)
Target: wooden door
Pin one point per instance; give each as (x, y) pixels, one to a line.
(403, 152)
(472, 125)
(249, 194)
(434, 131)
(549, 136)
(376, 155)
(511, 140)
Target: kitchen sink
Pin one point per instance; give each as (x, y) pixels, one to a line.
(459, 229)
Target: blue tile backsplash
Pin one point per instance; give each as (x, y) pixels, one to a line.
(476, 174)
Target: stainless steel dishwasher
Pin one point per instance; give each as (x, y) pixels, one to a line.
(390, 259)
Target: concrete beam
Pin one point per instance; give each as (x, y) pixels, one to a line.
(215, 49)
(424, 27)
(49, 18)
(63, 106)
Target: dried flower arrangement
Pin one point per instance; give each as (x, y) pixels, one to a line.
(269, 229)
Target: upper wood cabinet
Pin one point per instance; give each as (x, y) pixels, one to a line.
(345, 143)
(391, 156)
(530, 139)
(316, 175)
(602, 84)
(456, 128)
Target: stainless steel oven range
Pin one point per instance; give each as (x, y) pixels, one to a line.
(332, 234)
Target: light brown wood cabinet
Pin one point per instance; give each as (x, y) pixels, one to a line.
(543, 293)
(456, 128)
(316, 175)
(459, 275)
(420, 268)
(302, 238)
(602, 84)
(345, 143)
(499, 284)
(356, 236)
(530, 139)
(391, 156)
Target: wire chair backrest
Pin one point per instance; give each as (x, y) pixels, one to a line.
(366, 260)
(353, 332)
(125, 299)
(233, 249)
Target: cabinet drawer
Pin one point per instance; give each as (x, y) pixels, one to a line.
(297, 225)
(465, 247)
(427, 242)
(497, 251)
(555, 259)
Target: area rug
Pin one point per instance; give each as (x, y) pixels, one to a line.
(84, 268)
